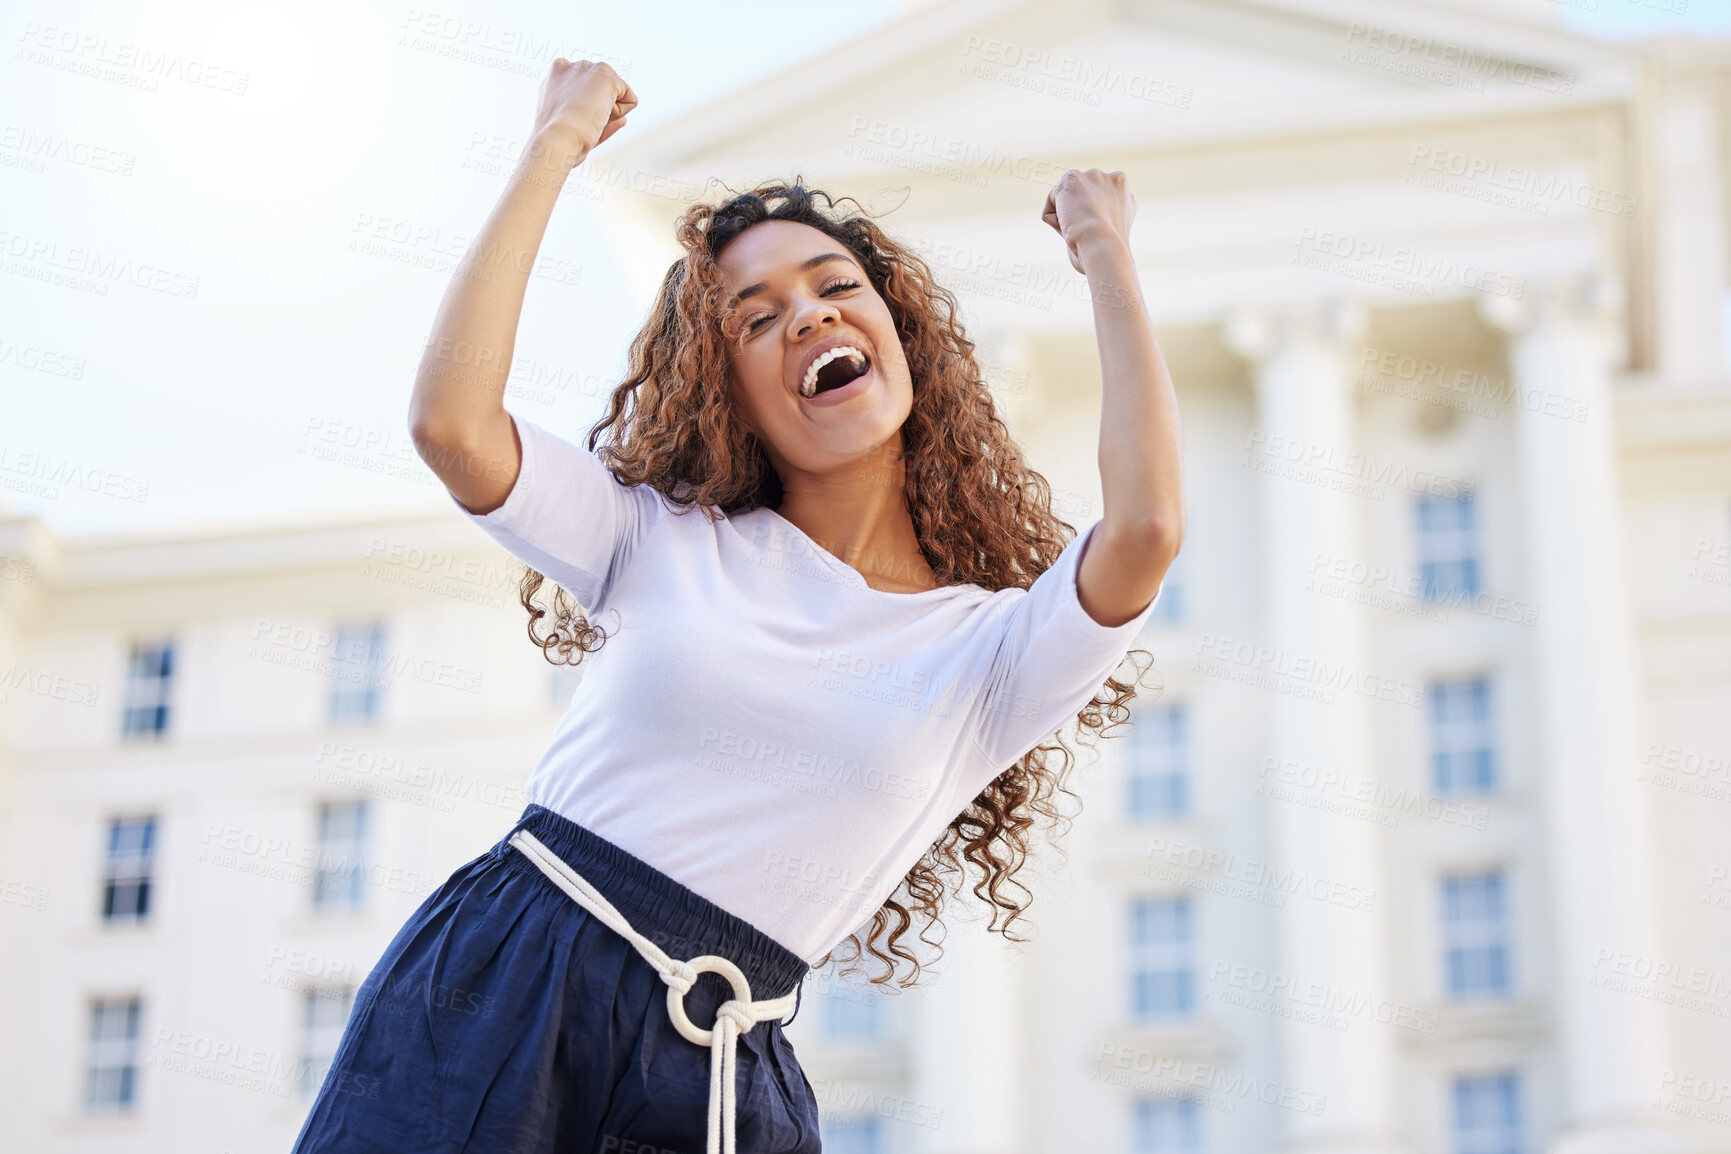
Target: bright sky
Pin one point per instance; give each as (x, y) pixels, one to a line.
(1621, 18)
(180, 404)
(232, 187)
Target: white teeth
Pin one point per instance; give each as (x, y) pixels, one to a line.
(808, 387)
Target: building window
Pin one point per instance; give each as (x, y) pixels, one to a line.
(327, 1012)
(342, 846)
(1476, 935)
(851, 1136)
(149, 674)
(356, 679)
(1166, 1126)
(1172, 604)
(1159, 762)
(562, 681)
(1448, 546)
(1162, 965)
(111, 1067)
(126, 869)
(852, 1013)
(1462, 737)
(1487, 1114)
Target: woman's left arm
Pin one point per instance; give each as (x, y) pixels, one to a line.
(1142, 523)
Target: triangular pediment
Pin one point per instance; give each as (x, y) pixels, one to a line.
(978, 83)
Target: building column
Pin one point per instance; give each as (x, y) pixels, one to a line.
(1005, 358)
(30, 557)
(1305, 410)
(1685, 211)
(1564, 339)
(968, 1045)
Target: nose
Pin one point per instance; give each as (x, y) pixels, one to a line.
(812, 314)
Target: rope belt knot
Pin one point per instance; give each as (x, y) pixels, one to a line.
(733, 1017)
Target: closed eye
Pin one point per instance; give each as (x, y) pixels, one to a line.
(838, 286)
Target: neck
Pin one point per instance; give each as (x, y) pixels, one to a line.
(859, 514)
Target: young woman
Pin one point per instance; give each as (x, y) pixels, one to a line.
(844, 620)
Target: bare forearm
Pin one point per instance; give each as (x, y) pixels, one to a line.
(1140, 438)
(461, 380)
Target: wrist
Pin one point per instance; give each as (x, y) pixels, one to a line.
(1098, 245)
(553, 151)
(1111, 272)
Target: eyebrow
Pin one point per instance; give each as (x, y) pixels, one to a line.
(805, 266)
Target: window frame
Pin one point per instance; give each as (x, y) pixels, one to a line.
(99, 1045)
(142, 884)
(1144, 1130)
(1147, 979)
(149, 665)
(1463, 561)
(357, 680)
(1506, 1136)
(1477, 944)
(311, 1074)
(1167, 718)
(352, 867)
(1447, 689)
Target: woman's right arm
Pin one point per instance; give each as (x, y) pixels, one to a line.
(457, 415)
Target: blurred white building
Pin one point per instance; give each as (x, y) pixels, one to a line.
(1421, 846)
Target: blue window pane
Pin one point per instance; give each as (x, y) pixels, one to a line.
(852, 1013)
(1462, 737)
(127, 868)
(562, 683)
(1159, 763)
(851, 1136)
(149, 677)
(111, 1063)
(1166, 1126)
(325, 1016)
(341, 867)
(1171, 604)
(1162, 963)
(356, 676)
(1476, 935)
(1487, 1114)
(1448, 545)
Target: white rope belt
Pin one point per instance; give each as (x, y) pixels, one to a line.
(734, 1017)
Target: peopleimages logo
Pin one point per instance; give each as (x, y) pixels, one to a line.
(723, 749)
(1533, 188)
(1264, 665)
(1115, 1064)
(1467, 383)
(1319, 247)
(1261, 875)
(1394, 50)
(1307, 459)
(1281, 994)
(1360, 797)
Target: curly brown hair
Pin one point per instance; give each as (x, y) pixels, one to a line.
(981, 514)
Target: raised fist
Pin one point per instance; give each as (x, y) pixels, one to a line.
(582, 104)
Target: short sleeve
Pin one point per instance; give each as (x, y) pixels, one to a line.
(568, 517)
(1051, 661)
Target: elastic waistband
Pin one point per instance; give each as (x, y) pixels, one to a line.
(674, 917)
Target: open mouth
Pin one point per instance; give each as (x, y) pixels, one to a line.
(833, 369)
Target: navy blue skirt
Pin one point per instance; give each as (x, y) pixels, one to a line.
(504, 1018)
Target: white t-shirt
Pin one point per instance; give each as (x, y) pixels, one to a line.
(763, 726)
